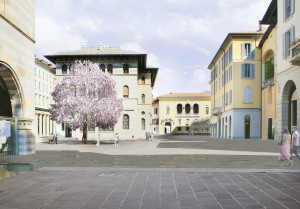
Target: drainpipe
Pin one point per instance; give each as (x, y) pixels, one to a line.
(261, 105)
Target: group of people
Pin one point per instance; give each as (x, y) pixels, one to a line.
(53, 139)
(290, 145)
(149, 136)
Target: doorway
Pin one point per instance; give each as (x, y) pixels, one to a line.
(270, 128)
(167, 128)
(68, 131)
(247, 127)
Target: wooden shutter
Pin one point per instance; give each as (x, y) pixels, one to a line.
(283, 45)
(252, 71)
(243, 50)
(245, 95)
(284, 15)
(250, 95)
(292, 6)
(252, 51)
(243, 70)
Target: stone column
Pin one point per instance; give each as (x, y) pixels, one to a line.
(44, 125)
(36, 124)
(40, 125)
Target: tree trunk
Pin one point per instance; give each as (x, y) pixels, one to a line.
(84, 133)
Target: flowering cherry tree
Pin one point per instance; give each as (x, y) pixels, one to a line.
(86, 98)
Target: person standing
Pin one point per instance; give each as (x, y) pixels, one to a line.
(295, 143)
(55, 138)
(132, 138)
(152, 136)
(98, 140)
(285, 148)
(147, 136)
(51, 138)
(116, 141)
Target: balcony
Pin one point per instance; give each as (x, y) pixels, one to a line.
(217, 111)
(268, 83)
(182, 115)
(295, 54)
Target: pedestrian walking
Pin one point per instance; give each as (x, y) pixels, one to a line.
(55, 138)
(147, 137)
(51, 138)
(132, 138)
(152, 136)
(295, 143)
(98, 140)
(116, 141)
(285, 149)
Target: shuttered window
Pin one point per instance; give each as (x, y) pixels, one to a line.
(248, 70)
(230, 53)
(125, 91)
(287, 38)
(288, 8)
(248, 51)
(247, 95)
(230, 97)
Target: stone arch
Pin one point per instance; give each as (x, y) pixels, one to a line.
(269, 54)
(13, 86)
(289, 105)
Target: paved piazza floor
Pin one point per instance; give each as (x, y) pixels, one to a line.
(171, 172)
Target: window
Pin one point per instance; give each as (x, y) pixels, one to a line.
(125, 122)
(226, 58)
(168, 110)
(223, 79)
(230, 73)
(230, 96)
(196, 108)
(62, 126)
(178, 128)
(64, 69)
(102, 67)
(288, 8)
(207, 110)
(155, 111)
(125, 68)
(187, 122)
(222, 100)
(288, 38)
(143, 113)
(110, 68)
(125, 91)
(187, 108)
(143, 80)
(248, 51)
(247, 95)
(230, 53)
(247, 70)
(226, 99)
(143, 98)
(187, 128)
(179, 122)
(179, 108)
(143, 123)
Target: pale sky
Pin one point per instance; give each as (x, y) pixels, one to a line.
(180, 36)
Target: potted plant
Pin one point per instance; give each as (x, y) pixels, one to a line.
(295, 42)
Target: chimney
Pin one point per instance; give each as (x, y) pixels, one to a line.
(259, 25)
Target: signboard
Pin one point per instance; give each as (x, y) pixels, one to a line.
(5, 128)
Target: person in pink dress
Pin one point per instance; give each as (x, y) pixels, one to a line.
(285, 148)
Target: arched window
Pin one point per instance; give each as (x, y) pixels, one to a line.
(143, 113)
(125, 68)
(125, 122)
(125, 91)
(179, 108)
(143, 80)
(196, 109)
(64, 69)
(187, 108)
(143, 98)
(110, 68)
(143, 124)
(102, 67)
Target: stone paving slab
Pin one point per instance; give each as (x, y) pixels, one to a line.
(123, 188)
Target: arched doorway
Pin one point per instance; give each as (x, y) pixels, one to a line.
(247, 127)
(289, 105)
(167, 128)
(10, 93)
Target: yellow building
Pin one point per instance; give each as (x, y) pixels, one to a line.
(179, 112)
(236, 87)
(269, 74)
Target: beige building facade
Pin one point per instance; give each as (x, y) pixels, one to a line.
(17, 40)
(45, 82)
(236, 87)
(178, 112)
(134, 83)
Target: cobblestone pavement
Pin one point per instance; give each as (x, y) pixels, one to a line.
(149, 189)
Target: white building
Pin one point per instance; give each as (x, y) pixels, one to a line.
(288, 64)
(45, 82)
(134, 82)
